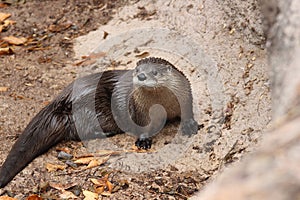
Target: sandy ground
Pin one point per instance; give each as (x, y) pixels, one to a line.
(219, 45)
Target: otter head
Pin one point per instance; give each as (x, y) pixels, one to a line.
(152, 73)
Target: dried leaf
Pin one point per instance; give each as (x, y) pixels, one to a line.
(64, 149)
(78, 63)
(9, 22)
(45, 103)
(7, 198)
(101, 184)
(105, 34)
(84, 161)
(84, 155)
(90, 59)
(3, 44)
(52, 167)
(29, 84)
(92, 164)
(44, 59)
(67, 195)
(101, 161)
(107, 194)
(98, 182)
(3, 89)
(4, 16)
(3, 5)
(59, 27)
(110, 186)
(34, 197)
(122, 184)
(86, 62)
(58, 186)
(143, 55)
(96, 55)
(99, 189)
(101, 153)
(5, 24)
(6, 51)
(88, 195)
(14, 40)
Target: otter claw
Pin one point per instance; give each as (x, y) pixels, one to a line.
(189, 127)
(143, 143)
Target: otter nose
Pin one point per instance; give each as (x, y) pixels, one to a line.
(142, 77)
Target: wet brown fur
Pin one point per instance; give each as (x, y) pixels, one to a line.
(70, 115)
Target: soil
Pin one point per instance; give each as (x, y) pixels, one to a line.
(219, 45)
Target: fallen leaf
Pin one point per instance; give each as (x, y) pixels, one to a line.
(110, 186)
(101, 184)
(52, 167)
(96, 55)
(84, 155)
(90, 59)
(100, 181)
(107, 194)
(5, 24)
(92, 164)
(3, 89)
(4, 16)
(143, 55)
(67, 195)
(86, 62)
(84, 161)
(17, 96)
(122, 184)
(101, 153)
(78, 63)
(6, 51)
(34, 197)
(58, 186)
(97, 162)
(7, 198)
(99, 189)
(9, 22)
(38, 48)
(3, 5)
(14, 40)
(45, 103)
(29, 84)
(88, 195)
(44, 59)
(64, 149)
(59, 27)
(105, 34)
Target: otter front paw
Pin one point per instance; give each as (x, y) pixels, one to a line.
(143, 143)
(189, 127)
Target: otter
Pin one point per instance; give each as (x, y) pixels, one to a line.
(104, 104)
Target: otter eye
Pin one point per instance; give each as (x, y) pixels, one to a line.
(154, 72)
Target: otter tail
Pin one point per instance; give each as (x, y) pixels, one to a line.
(50, 126)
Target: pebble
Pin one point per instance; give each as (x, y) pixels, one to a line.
(71, 164)
(64, 156)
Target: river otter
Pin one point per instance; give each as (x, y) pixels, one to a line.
(137, 101)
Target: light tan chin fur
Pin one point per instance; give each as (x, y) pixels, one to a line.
(146, 97)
